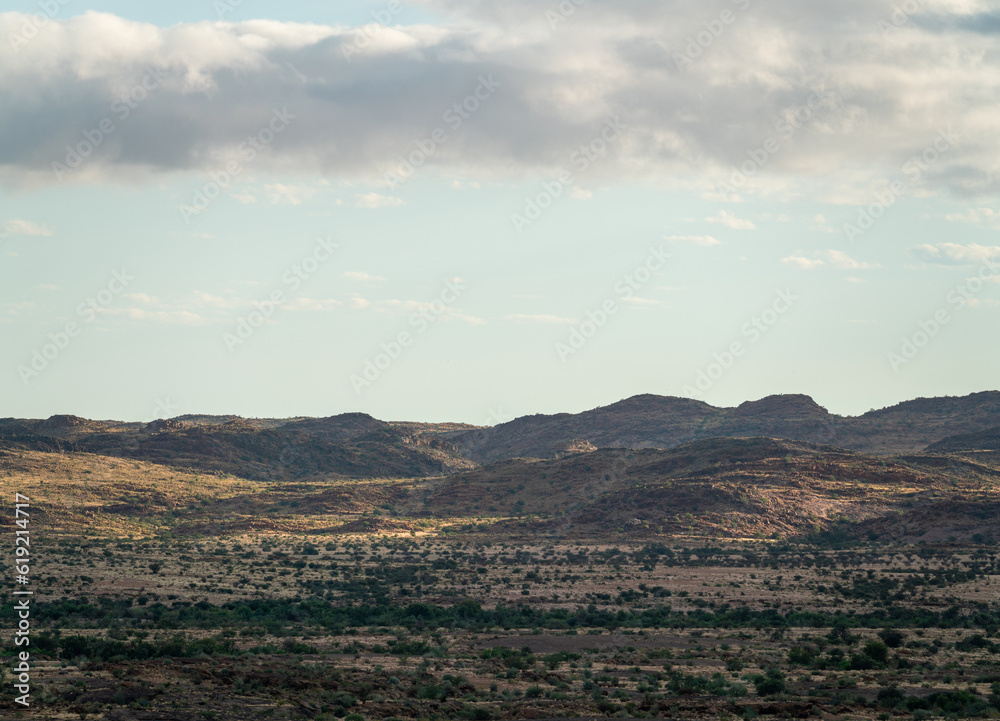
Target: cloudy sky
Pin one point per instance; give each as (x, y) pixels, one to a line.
(469, 211)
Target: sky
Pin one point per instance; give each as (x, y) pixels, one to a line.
(472, 211)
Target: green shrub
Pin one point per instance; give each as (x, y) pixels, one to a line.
(770, 684)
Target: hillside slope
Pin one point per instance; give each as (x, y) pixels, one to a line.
(729, 487)
(665, 422)
(351, 445)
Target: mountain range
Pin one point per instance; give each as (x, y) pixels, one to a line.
(358, 445)
(648, 465)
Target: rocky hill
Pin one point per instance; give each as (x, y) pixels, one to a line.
(649, 421)
(987, 440)
(356, 445)
(353, 445)
(729, 487)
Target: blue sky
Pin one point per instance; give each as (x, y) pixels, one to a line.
(534, 208)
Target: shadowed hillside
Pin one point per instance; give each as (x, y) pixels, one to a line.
(356, 445)
(350, 445)
(748, 487)
(649, 421)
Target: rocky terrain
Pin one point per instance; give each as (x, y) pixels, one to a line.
(657, 558)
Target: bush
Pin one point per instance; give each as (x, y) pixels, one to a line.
(890, 697)
(770, 684)
(802, 655)
(476, 713)
(892, 637)
(876, 651)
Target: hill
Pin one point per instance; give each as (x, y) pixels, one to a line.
(987, 440)
(649, 421)
(351, 445)
(728, 487)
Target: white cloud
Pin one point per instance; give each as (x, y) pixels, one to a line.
(729, 220)
(984, 302)
(140, 298)
(832, 258)
(201, 299)
(374, 200)
(288, 194)
(16, 308)
(955, 254)
(693, 239)
(976, 216)
(839, 259)
(433, 309)
(361, 276)
(180, 317)
(17, 226)
(224, 79)
(802, 263)
(311, 304)
(527, 318)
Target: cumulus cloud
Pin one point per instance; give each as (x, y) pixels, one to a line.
(840, 259)
(729, 220)
(433, 309)
(181, 317)
(311, 304)
(216, 84)
(290, 194)
(17, 226)
(955, 254)
(976, 216)
(801, 262)
(832, 258)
